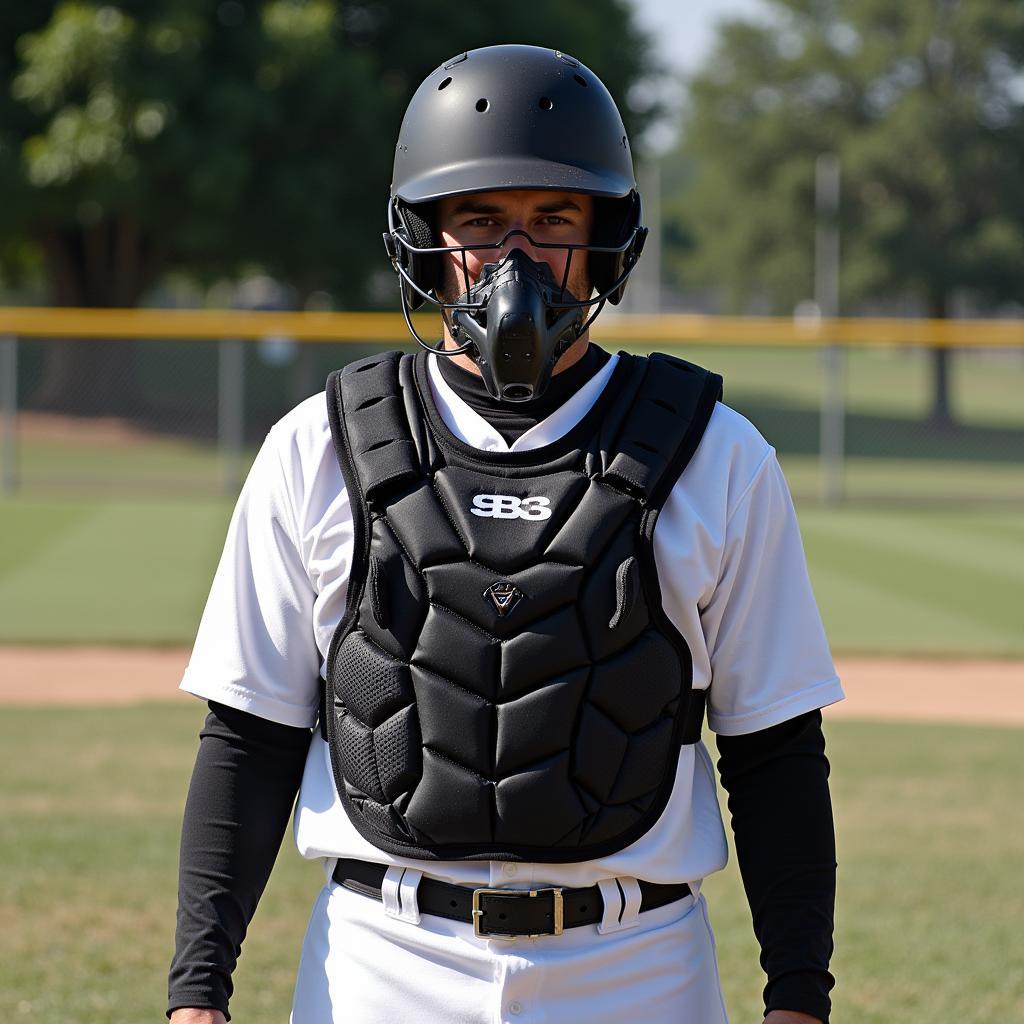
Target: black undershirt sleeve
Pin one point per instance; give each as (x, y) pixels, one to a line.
(777, 781)
(246, 776)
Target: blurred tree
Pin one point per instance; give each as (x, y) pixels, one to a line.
(142, 136)
(924, 103)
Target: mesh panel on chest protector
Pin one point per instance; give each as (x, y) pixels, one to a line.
(505, 683)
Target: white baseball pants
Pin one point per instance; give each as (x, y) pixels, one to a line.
(363, 964)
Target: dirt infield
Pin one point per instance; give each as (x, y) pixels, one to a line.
(989, 692)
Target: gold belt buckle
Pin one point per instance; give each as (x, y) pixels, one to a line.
(478, 913)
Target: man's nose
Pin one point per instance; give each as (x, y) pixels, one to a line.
(519, 241)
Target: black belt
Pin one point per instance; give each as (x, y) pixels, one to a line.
(504, 912)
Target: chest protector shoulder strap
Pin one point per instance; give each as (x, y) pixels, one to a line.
(505, 683)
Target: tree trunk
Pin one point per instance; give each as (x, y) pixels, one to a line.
(941, 415)
(110, 263)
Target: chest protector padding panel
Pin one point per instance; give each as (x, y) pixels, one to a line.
(505, 683)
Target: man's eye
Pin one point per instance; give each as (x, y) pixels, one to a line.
(554, 219)
(482, 222)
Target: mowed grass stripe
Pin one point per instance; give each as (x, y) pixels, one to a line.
(30, 527)
(863, 617)
(905, 581)
(982, 600)
(961, 542)
(1005, 528)
(129, 571)
(873, 483)
(863, 614)
(915, 480)
(153, 461)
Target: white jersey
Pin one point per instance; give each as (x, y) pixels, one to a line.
(733, 581)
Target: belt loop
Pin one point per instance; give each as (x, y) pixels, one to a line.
(407, 893)
(389, 890)
(612, 899)
(622, 898)
(398, 893)
(633, 898)
(330, 863)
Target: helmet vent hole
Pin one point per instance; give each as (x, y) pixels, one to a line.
(581, 80)
(482, 105)
(444, 84)
(624, 143)
(545, 103)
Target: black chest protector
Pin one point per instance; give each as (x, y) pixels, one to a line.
(504, 684)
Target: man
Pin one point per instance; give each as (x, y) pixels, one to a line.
(505, 578)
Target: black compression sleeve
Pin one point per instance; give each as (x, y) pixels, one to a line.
(777, 781)
(246, 775)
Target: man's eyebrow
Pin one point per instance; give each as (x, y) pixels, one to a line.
(479, 208)
(475, 206)
(556, 206)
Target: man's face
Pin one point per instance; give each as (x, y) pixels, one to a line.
(559, 218)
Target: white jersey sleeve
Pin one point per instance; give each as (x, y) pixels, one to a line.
(256, 648)
(769, 657)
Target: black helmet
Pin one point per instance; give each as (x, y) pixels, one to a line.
(512, 117)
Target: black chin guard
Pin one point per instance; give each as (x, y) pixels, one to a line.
(519, 326)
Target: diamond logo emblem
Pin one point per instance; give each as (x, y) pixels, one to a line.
(503, 596)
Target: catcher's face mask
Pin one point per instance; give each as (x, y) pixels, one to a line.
(516, 320)
(512, 118)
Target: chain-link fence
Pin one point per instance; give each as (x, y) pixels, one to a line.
(185, 417)
(150, 417)
(895, 447)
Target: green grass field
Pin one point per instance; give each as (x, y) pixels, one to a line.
(158, 466)
(117, 542)
(931, 838)
(889, 579)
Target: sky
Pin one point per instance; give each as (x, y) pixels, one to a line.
(685, 28)
(684, 31)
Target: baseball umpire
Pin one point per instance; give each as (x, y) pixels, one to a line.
(504, 581)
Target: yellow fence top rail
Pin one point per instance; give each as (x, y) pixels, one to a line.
(664, 329)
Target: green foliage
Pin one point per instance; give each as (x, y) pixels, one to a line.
(16, 122)
(922, 101)
(143, 136)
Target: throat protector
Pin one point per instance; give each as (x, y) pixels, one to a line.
(518, 324)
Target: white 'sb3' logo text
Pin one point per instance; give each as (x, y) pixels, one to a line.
(506, 506)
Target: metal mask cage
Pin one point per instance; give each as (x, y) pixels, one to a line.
(397, 233)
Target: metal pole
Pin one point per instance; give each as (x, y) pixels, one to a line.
(8, 414)
(643, 294)
(231, 411)
(652, 247)
(826, 296)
